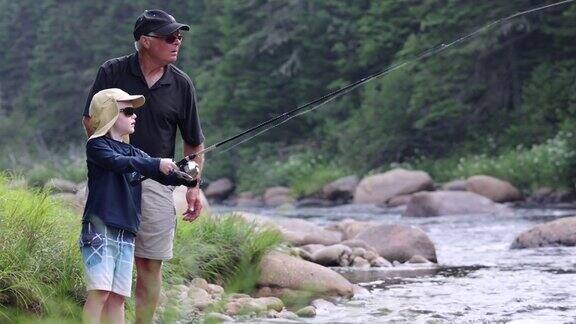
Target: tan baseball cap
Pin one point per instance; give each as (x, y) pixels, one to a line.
(104, 109)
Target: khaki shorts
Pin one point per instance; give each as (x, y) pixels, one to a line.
(155, 236)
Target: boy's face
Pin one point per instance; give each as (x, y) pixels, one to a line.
(126, 118)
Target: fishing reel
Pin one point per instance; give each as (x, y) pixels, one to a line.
(188, 173)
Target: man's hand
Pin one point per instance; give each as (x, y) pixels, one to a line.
(194, 204)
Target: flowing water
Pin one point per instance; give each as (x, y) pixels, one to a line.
(478, 277)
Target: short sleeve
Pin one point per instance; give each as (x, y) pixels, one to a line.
(100, 83)
(189, 122)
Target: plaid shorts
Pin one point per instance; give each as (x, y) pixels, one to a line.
(108, 257)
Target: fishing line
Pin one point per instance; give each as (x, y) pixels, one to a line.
(350, 87)
(329, 97)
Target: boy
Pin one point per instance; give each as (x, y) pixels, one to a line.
(112, 213)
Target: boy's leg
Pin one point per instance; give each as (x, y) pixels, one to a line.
(148, 284)
(94, 305)
(113, 311)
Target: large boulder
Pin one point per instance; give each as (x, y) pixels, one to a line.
(248, 199)
(399, 242)
(341, 190)
(561, 232)
(284, 271)
(438, 203)
(179, 195)
(276, 196)
(350, 227)
(455, 185)
(219, 189)
(302, 232)
(56, 185)
(495, 189)
(379, 188)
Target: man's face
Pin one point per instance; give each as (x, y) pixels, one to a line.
(165, 47)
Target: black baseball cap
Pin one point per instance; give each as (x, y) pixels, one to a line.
(158, 22)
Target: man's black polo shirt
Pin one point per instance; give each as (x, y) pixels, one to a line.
(170, 104)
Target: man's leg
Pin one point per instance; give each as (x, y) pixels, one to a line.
(148, 284)
(113, 311)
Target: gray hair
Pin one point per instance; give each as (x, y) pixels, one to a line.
(137, 46)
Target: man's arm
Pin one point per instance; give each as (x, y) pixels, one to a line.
(86, 121)
(193, 193)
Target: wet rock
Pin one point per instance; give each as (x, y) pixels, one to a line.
(399, 200)
(199, 298)
(250, 305)
(340, 190)
(281, 270)
(358, 251)
(248, 199)
(330, 255)
(418, 259)
(370, 255)
(360, 262)
(217, 318)
(303, 232)
(492, 188)
(56, 185)
(379, 188)
(438, 203)
(215, 289)
(561, 232)
(286, 314)
(277, 196)
(380, 262)
(219, 190)
(199, 283)
(313, 202)
(456, 185)
(399, 242)
(308, 311)
(350, 228)
(312, 248)
(547, 195)
(272, 303)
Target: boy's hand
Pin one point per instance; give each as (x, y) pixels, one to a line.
(167, 165)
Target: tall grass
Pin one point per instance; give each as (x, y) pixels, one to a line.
(40, 267)
(225, 250)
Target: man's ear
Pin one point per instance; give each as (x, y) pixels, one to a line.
(144, 42)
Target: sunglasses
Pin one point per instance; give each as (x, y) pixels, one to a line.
(128, 111)
(170, 39)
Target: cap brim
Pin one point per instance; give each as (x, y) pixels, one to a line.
(170, 28)
(137, 100)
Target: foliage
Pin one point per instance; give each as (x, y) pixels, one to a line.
(548, 164)
(512, 84)
(305, 173)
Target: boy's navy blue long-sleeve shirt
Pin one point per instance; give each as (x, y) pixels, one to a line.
(111, 166)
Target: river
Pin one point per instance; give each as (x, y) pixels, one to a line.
(478, 279)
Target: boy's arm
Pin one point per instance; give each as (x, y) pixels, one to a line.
(101, 154)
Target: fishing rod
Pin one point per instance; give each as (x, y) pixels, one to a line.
(190, 167)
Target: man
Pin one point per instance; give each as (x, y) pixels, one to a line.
(170, 105)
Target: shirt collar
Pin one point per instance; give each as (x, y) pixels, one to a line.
(166, 79)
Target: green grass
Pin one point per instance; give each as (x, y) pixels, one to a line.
(304, 173)
(40, 268)
(548, 164)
